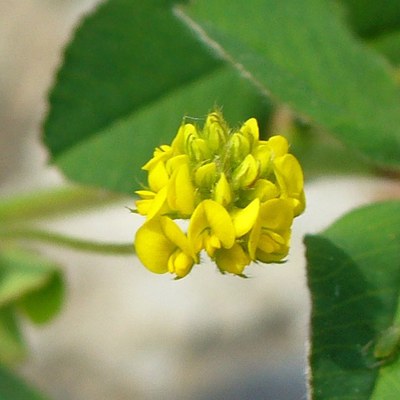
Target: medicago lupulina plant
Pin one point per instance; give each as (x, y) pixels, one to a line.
(239, 193)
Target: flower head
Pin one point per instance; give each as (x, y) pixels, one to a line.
(239, 193)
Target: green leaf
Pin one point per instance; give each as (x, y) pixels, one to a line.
(319, 154)
(371, 18)
(130, 74)
(44, 303)
(303, 54)
(12, 347)
(32, 281)
(14, 388)
(29, 284)
(354, 277)
(389, 46)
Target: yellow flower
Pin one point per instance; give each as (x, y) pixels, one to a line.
(181, 191)
(270, 235)
(222, 191)
(244, 218)
(290, 179)
(239, 192)
(211, 227)
(162, 247)
(232, 260)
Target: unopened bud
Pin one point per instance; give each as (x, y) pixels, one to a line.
(245, 174)
(263, 156)
(222, 191)
(215, 131)
(205, 176)
(250, 130)
(239, 148)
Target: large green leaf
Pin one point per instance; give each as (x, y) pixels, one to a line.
(303, 54)
(354, 278)
(13, 388)
(129, 75)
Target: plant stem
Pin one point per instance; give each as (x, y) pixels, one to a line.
(51, 202)
(68, 241)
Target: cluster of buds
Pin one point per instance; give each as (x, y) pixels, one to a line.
(239, 193)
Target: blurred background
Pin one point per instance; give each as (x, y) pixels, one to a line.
(125, 333)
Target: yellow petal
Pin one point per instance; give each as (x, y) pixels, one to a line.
(288, 170)
(250, 130)
(290, 179)
(244, 219)
(265, 190)
(222, 191)
(181, 192)
(143, 206)
(219, 222)
(178, 142)
(158, 177)
(211, 243)
(198, 150)
(180, 264)
(239, 147)
(197, 227)
(161, 154)
(279, 145)
(270, 242)
(276, 250)
(254, 238)
(270, 257)
(262, 153)
(152, 247)
(276, 214)
(245, 174)
(205, 175)
(145, 194)
(158, 205)
(232, 260)
(215, 131)
(172, 231)
(210, 219)
(175, 162)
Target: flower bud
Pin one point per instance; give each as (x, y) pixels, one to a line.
(250, 131)
(222, 191)
(263, 156)
(279, 145)
(197, 149)
(239, 148)
(206, 175)
(245, 174)
(215, 131)
(180, 263)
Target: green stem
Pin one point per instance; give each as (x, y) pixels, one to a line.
(51, 202)
(67, 241)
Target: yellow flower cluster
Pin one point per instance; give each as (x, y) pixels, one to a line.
(240, 194)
